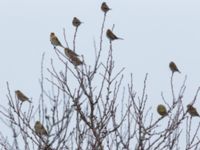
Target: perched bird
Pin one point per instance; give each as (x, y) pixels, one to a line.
(192, 111)
(73, 57)
(21, 96)
(70, 53)
(104, 7)
(111, 35)
(54, 40)
(39, 129)
(173, 67)
(162, 110)
(76, 22)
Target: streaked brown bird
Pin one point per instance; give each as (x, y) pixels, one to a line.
(111, 36)
(21, 96)
(73, 57)
(104, 7)
(76, 22)
(192, 110)
(54, 40)
(39, 129)
(173, 67)
(70, 53)
(161, 109)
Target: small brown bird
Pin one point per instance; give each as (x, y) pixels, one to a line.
(192, 111)
(173, 67)
(39, 129)
(104, 7)
(21, 96)
(112, 36)
(70, 53)
(76, 22)
(73, 57)
(54, 40)
(162, 110)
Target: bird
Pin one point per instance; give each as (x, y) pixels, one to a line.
(104, 7)
(162, 110)
(111, 36)
(73, 57)
(54, 40)
(192, 111)
(76, 22)
(173, 67)
(39, 129)
(21, 96)
(70, 53)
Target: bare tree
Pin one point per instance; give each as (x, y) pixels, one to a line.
(87, 106)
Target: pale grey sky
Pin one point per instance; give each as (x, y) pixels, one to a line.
(155, 32)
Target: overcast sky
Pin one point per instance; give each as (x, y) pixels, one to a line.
(155, 32)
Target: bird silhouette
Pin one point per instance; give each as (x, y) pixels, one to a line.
(54, 40)
(162, 110)
(173, 67)
(21, 96)
(192, 111)
(111, 36)
(70, 53)
(73, 57)
(104, 7)
(39, 129)
(76, 22)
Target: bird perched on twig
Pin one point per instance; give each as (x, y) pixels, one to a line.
(104, 7)
(54, 40)
(192, 110)
(70, 53)
(21, 96)
(39, 129)
(111, 36)
(162, 110)
(73, 57)
(76, 22)
(173, 67)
